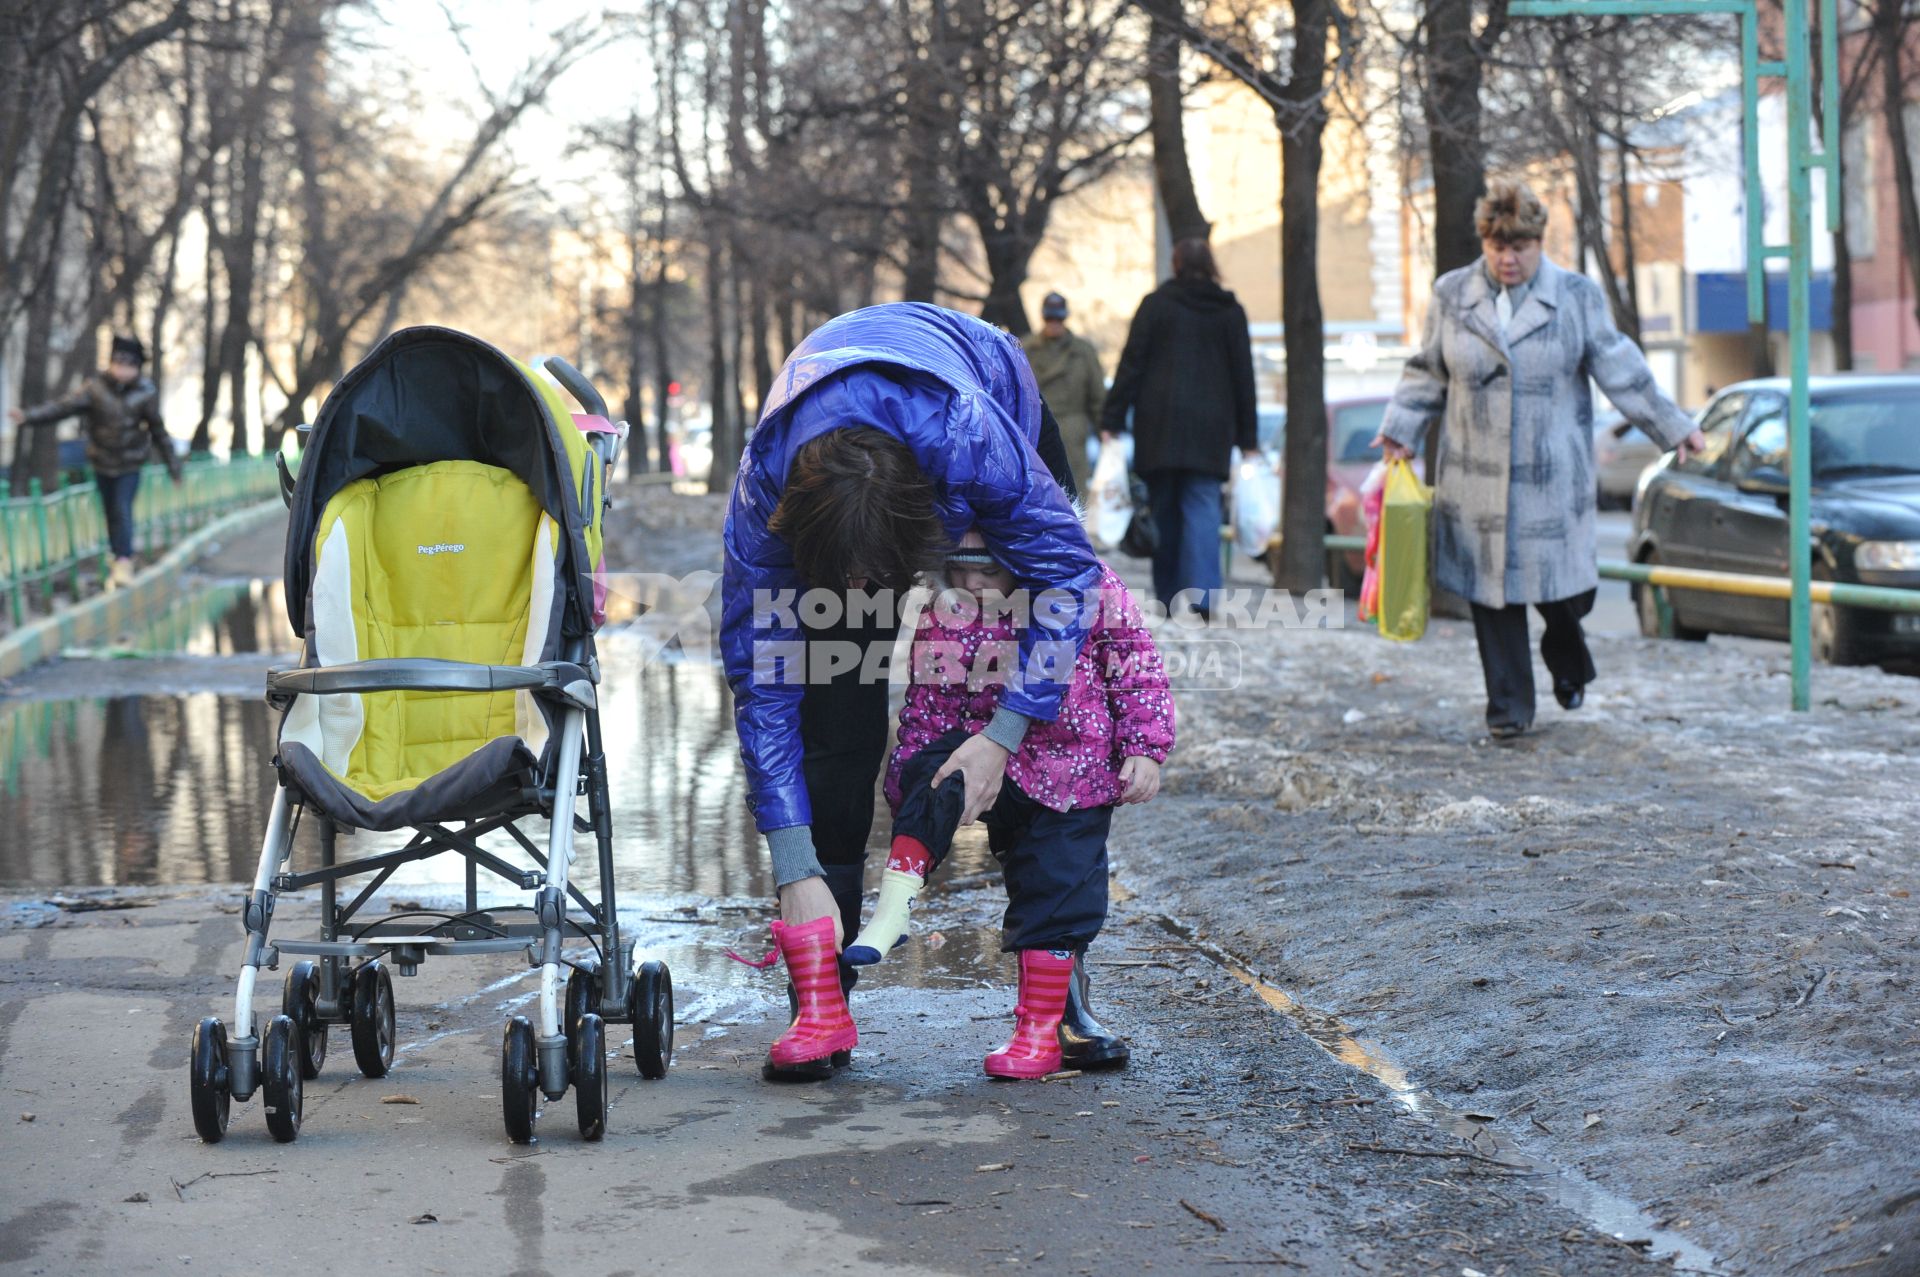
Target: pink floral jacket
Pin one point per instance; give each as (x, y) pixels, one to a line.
(1117, 706)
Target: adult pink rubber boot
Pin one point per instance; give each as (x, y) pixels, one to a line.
(1034, 1048)
(823, 1024)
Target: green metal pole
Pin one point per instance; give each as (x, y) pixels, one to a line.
(1799, 279)
(1756, 200)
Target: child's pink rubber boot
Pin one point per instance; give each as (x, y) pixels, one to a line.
(823, 1025)
(1034, 1049)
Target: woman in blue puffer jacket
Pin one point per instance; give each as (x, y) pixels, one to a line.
(888, 433)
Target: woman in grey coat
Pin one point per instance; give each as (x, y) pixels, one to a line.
(1511, 344)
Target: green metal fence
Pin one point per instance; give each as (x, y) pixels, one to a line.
(50, 540)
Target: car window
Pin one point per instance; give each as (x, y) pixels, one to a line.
(1354, 429)
(1862, 433)
(1718, 426)
(1764, 443)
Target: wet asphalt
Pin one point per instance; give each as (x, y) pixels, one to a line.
(1249, 1132)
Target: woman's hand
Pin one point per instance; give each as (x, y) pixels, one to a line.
(16, 415)
(983, 764)
(1139, 779)
(1392, 450)
(805, 900)
(1691, 446)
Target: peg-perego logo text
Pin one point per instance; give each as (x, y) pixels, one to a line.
(443, 548)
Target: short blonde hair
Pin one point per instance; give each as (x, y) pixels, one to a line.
(1510, 212)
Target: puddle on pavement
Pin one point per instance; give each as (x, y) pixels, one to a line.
(1607, 1211)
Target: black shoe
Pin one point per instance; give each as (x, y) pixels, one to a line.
(1570, 695)
(1506, 731)
(1084, 1042)
(811, 1070)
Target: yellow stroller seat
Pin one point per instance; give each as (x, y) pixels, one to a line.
(454, 560)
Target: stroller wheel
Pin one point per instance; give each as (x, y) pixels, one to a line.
(519, 1080)
(583, 997)
(282, 1094)
(207, 1076)
(373, 1019)
(590, 1076)
(299, 1000)
(652, 1008)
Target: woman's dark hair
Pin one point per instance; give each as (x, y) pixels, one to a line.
(1193, 260)
(856, 504)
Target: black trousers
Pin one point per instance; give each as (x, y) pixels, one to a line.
(843, 741)
(1054, 862)
(1508, 664)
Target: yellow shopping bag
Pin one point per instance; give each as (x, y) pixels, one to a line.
(1403, 554)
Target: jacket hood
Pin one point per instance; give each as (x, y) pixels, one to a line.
(1198, 294)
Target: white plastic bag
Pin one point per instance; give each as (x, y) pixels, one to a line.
(1256, 505)
(1109, 504)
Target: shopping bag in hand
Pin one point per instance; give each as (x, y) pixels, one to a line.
(1110, 499)
(1256, 505)
(1372, 495)
(1404, 514)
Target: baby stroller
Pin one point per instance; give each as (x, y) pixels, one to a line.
(444, 565)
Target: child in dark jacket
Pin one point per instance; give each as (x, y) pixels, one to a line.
(1048, 827)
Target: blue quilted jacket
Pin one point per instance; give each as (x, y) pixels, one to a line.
(959, 392)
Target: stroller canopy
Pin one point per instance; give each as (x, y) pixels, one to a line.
(433, 394)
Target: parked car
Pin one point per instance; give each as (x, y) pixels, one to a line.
(1621, 454)
(1726, 509)
(1352, 425)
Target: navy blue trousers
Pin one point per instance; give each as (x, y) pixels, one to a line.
(1186, 517)
(1054, 862)
(116, 495)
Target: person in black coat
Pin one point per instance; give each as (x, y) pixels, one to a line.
(1187, 376)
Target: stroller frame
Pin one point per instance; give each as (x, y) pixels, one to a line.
(577, 996)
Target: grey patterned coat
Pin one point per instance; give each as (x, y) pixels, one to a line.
(1514, 499)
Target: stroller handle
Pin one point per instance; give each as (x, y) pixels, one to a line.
(575, 383)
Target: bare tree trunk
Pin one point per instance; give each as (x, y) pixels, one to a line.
(1451, 106)
(1008, 256)
(1890, 33)
(1172, 175)
(163, 309)
(926, 174)
(737, 267)
(1301, 564)
(719, 392)
(1628, 320)
(662, 369)
(36, 451)
(760, 331)
(209, 329)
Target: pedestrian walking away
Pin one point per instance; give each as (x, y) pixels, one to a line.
(889, 432)
(1048, 826)
(1186, 375)
(1067, 368)
(1512, 343)
(121, 412)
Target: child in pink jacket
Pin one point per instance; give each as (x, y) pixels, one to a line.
(1048, 826)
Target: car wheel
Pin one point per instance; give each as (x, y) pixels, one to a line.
(1833, 630)
(1655, 621)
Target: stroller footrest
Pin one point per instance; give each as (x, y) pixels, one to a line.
(374, 947)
